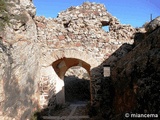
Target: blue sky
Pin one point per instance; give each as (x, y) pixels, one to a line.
(133, 12)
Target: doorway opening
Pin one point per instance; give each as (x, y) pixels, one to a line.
(77, 85)
(63, 65)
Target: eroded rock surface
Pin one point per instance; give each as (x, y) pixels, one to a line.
(19, 64)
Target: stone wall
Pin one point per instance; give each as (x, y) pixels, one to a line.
(30, 44)
(134, 77)
(140, 74)
(80, 28)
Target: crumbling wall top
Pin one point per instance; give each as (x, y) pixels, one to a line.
(93, 12)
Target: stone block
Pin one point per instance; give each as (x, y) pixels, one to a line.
(61, 37)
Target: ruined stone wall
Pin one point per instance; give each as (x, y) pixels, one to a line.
(80, 28)
(133, 86)
(29, 39)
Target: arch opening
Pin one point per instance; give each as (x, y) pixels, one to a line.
(63, 65)
(77, 85)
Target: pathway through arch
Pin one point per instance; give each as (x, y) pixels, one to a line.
(70, 112)
(77, 85)
(61, 66)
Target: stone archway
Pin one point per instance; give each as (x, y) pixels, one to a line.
(52, 73)
(68, 53)
(61, 66)
(77, 85)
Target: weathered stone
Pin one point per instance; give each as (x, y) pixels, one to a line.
(28, 6)
(30, 46)
(61, 37)
(78, 44)
(20, 69)
(40, 25)
(153, 24)
(136, 69)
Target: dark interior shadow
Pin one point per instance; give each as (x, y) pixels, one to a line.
(103, 87)
(76, 89)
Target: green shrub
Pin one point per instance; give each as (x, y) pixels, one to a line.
(36, 115)
(4, 18)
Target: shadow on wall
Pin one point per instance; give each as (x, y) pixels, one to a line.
(17, 97)
(132, 86)
(49, 109)
(18, 88)
(104, 87)
(74, 86)
(76, 91)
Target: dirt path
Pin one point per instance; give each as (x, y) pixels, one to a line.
(72, 112)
